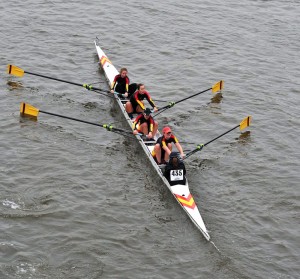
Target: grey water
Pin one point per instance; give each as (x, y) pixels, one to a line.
(77, 201)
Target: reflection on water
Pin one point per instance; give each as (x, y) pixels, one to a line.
(216, 99)
(14, 85)
(244, 137)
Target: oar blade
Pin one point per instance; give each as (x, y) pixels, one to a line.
(15, 71)
(245, 122)
(218, 86)
(28, 110)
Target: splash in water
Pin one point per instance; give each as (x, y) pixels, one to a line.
(10, 204)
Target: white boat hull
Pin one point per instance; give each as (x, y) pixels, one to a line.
(180, 192)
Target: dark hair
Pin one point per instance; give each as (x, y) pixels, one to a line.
(147, 111)
(175, 155)
(139, 85)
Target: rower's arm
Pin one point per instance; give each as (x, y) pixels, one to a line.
(134, 125)
(149, 99)
(127, 84)
(114, 83)
(177, 144)
(151, 124)
(136, 121)
(140, 103)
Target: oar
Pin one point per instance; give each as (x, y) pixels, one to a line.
(18, 72)
(244, 124)
(159, 100)
(29, 110)
(215, 88)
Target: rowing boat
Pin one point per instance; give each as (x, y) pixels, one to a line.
(180, 192)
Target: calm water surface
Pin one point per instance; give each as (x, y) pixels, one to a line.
(79, 202)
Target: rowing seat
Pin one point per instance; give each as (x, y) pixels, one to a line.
(162, 166)
(149, 142)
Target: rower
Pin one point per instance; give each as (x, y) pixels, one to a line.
(175, 170)
(136, 103)
(121, 84)
(145, 124)
(163, 146)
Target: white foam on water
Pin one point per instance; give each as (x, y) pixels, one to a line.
(10, 204)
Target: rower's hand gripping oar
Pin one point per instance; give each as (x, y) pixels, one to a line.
(244, 124)
(31, 111)
(18, 72)
(215, 88)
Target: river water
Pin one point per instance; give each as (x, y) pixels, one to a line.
(77, 201)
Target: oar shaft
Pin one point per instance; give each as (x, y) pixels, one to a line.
(57, 79)
(66, 81)
(174, 103)
(221, 135)
(193, 95)
(197, 149)
(71, 118)
(108, 127)
(190, 153)
(156, 100)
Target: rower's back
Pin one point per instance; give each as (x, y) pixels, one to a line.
(175, 170)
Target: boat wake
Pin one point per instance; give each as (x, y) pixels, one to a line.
(216, 247)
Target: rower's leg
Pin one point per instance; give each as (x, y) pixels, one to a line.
(166, 154)
(138, 109)
(129, 107)
(157, 151)
(144, 128)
